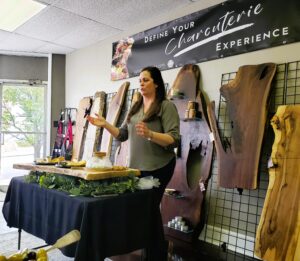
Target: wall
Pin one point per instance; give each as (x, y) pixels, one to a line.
(23, 68)
(88, 70)
(58, 63)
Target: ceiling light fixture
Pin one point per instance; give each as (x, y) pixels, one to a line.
(14, 13)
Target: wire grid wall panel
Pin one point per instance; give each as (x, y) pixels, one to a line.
(278, 91)
(232, 218)
(293, 83)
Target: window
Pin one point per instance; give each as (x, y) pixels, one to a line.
(22, 125)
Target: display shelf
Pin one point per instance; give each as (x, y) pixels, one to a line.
(174, 229)
(192, 119)
(173, 193)
(177, 97)
(178, 196)
(65, 113)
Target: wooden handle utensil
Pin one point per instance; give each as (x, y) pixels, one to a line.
(69, 238)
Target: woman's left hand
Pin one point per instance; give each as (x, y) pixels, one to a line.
(142, 130)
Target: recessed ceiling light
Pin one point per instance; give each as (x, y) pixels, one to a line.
(14, 13)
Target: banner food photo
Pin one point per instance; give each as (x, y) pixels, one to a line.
(226, 29)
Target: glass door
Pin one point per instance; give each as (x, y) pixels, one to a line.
(22, 126)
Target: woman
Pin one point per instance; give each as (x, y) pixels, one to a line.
(152, 129)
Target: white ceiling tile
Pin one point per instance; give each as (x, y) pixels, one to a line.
(92, 9)
(50, 24)
(48, 2)
(66, 25)
(54, 48)
(17, 42)
(86, 34)
(3, 35)
(140, 11)
(119, 13)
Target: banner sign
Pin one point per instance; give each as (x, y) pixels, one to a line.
(230, 28)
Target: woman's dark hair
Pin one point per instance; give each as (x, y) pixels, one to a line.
(159, 96)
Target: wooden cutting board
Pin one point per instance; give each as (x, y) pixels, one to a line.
(84, 173)
(278, 233)
(122, 152)
(246, 100)
(90, 143)
(80, 129)
(112, 116)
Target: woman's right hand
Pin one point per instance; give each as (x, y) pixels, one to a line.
(98, 121)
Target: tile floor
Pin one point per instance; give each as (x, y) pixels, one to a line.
(9, 239)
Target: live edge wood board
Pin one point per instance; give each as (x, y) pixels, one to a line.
(247, 99)
(122, 151)
(80, 128)
(278, 233)
(92, 133)
(194, 157)
(112, 116)
(84, 173)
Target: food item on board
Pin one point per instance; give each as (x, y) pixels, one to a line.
(80, 163)
(49, 160)
(26, 254)
(119, 168)
(99, 163)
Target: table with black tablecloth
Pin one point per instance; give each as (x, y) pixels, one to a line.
(108, 225)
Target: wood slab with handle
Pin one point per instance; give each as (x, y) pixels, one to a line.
(69, 238)
(278, 233)
(247, 100)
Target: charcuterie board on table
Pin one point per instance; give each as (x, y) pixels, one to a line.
(81, 172)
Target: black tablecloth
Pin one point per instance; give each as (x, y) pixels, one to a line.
(109, 226)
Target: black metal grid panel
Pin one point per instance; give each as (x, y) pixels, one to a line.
(232, 219)
(278, 92)
(293, 83)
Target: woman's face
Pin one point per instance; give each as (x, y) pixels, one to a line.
(147, 86)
